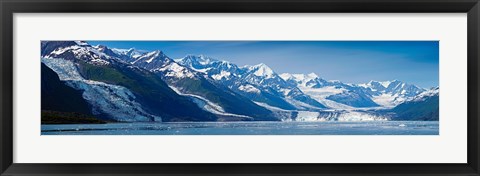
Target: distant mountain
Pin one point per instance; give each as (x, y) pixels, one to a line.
(424, 106)
(259, 82)
(334, 94)
(338, 95)
(128, 55)
(391, 93)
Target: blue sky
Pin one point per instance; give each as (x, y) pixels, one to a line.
(414, 62)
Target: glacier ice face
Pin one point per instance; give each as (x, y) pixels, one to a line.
(115, 101)
(325, 115)
(348, 115)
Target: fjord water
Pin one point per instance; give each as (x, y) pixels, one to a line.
(249, 128)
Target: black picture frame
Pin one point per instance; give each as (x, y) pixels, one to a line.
(9, 7)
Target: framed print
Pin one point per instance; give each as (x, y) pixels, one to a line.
(239, 88)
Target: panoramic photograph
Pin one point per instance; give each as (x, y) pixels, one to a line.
(239, 87)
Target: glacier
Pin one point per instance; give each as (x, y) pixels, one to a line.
(207, 105)
(115, 101)
(324, 115)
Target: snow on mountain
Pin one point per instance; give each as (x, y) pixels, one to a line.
(82, 43)
(300, 79)
(258, 82)
(385, 83)
(218, 70)
(194, 83)
(423, 107)
(264, 77)
(175, 70)
(147, 58)
(262, 70)
(333, 94)
(223, 75)
(391, 93)
(157, 61)
(300, 97)
(115, 101)
(78, 50)
(339, 95)
(249, 88)
(428, 93)
(321, 95)
(196, 61)
(132, 52)
(376, 85)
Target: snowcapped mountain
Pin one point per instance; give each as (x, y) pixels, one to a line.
(221, 71)
(391, 93)
(334, 94)
(131, 53)
(258, 82)
(134, 85)
(338, 95)
(435, 91)
(261, 70)
(424, 106)
(116, 89)
(191, 83)
(158, 62)
(107, 100)
(75, 50)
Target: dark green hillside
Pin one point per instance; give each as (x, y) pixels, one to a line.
(230, 101)
(154, 94)
(427, 110)
(56, 96)
(273, 100)
(62, 104)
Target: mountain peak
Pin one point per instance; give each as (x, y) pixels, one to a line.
(286, 76)
(262, 70)
(312, 75)
(101, 48)
(154, 53)
(130, 50)
(82, 43)
(434, 91)
(300, 78)
(200, 59)
(261, 66)
(387, 83)
(384, 84)
(150, 56)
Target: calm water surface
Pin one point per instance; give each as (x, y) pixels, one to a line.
(249, 128)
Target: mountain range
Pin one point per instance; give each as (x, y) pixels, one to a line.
(133, 85)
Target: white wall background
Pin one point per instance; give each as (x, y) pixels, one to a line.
(448, 147)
